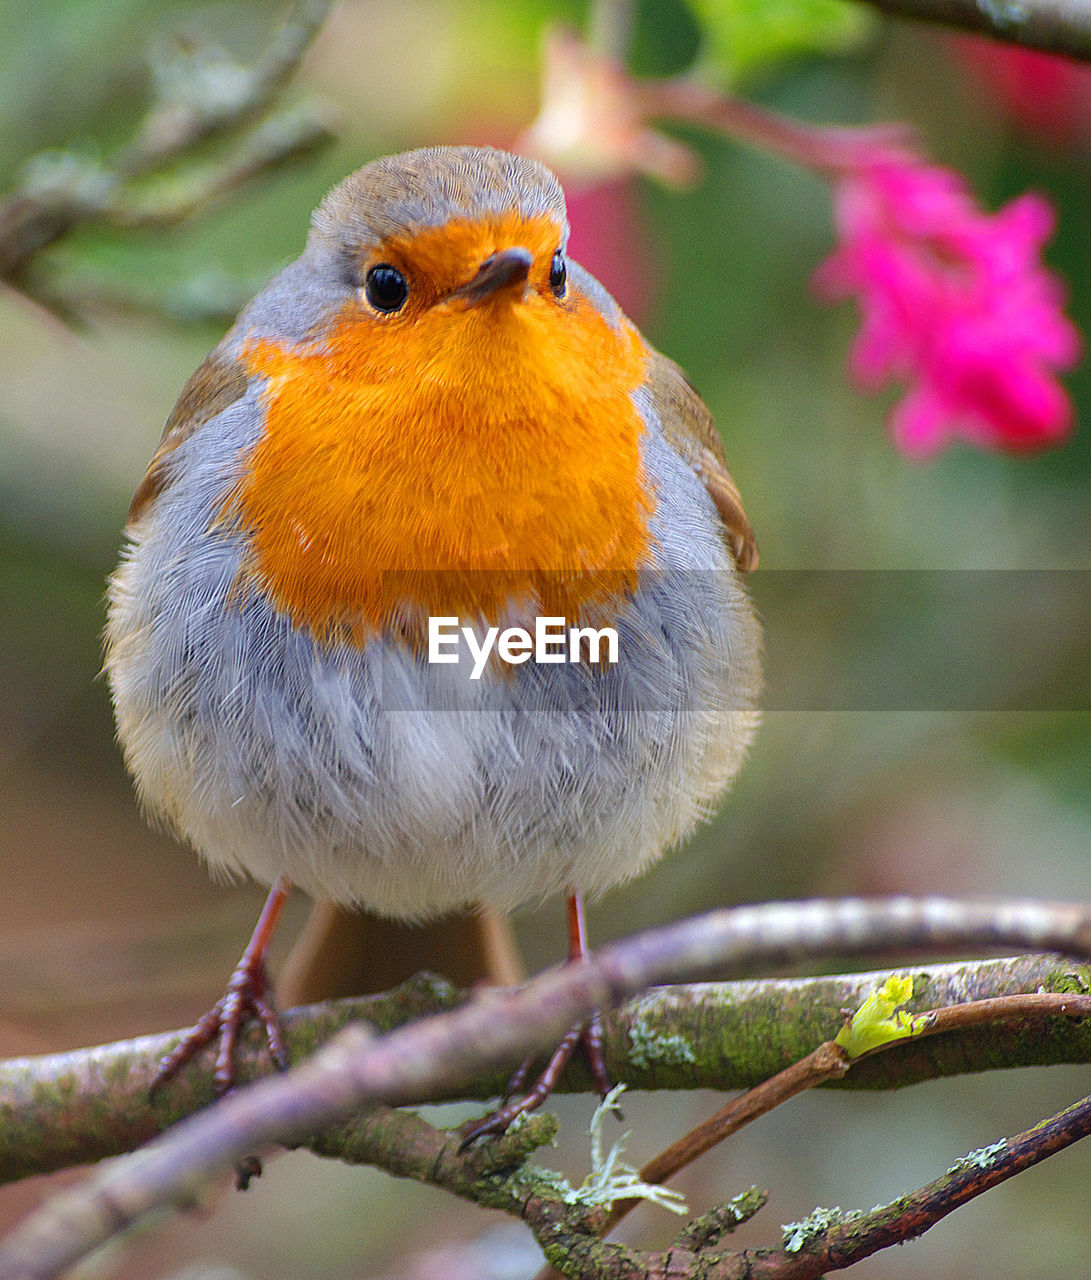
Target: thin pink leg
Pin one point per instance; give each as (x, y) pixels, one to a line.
(248, 995)
(588, 1034)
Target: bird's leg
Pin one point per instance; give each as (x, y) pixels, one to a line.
(588, 1034)
(591, 1037)
(248, 995)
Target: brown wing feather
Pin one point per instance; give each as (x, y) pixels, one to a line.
(216, 383)
(353, 953)
(689, 428)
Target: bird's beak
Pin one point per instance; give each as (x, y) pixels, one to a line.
(502, 272)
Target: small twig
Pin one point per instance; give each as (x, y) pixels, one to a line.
(911, 1215)
(202, 95)
(1037, 1006)
(813, 146)
(282, 137)
(828, 1062)
(596, 118)
(703, 1232)
(1052, 26)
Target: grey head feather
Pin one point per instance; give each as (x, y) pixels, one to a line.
(398, 195)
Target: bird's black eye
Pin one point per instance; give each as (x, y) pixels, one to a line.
(558, 274)
(385, 288)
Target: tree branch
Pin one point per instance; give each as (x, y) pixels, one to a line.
(827, 1064)
(911, 1215)
(74, 1108)
(492, 1032)
(829, 1239)
(201, 94)
(1053, 26)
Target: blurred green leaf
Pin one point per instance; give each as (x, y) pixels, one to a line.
(745, 36)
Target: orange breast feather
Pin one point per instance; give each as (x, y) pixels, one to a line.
(450, 464)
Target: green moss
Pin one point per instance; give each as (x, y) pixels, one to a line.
(650, 1047)
(817, 1223)
(982, 1158)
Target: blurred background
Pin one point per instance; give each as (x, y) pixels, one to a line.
(109, 930)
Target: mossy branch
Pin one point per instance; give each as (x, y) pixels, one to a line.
(450, 1052)
(827, 1240)
(74, 1108)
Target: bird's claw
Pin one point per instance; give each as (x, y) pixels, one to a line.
(247, 996)
(589, 1036)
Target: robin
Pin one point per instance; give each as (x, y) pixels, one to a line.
(431, 600)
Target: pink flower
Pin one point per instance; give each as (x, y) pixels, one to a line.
(954, 301)
(610, 239)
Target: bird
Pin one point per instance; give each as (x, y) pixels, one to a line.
(427, 443)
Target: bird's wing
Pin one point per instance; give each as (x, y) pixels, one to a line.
(689, 429)
(216, 383)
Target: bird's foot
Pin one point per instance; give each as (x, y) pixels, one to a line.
(587, 1035)
(248, 995)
